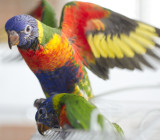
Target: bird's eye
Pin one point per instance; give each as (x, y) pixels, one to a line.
(42, 111)
(28, 29)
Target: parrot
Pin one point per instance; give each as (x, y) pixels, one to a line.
(89, 36)
(43, 12)
(71, 111)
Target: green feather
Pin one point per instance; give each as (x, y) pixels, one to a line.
(119, 129)
(48, 33)
(79, 112)
(85, 84)
(48, 15)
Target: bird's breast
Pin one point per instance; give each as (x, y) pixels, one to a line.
(52, 55)
(56, 65)
(61, 80)
(45, 59)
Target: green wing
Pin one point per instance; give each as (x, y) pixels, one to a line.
(78, 111)
(48, 15)
(45, 13)
(81, 113)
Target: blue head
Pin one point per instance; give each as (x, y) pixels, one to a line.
(46, 117)
(22, 31)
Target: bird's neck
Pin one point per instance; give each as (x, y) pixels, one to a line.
(45, 33)
(58, 102)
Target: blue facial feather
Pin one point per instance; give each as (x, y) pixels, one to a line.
(19, 23)
(46, 114)
(62, 80)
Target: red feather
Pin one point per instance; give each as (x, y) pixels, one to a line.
(75, 22)
(63, 117)
(37, 12)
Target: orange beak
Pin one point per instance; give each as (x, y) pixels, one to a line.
(42, 128)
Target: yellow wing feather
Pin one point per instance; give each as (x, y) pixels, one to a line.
(127, 51)
(146, 27)
(96, 40)
(103, 47)
(144, 41)
(135, 46)
(98, 43)
(145, 33)
(108, 47)
(137, 41)
(112, 44)
(93, 48)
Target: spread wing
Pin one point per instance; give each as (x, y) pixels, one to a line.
(105, 39)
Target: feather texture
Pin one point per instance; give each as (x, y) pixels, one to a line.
(105, 39)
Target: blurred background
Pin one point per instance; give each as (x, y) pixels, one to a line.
(19, 87)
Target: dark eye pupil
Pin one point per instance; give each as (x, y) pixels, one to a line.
(28, 28)
(40, 111)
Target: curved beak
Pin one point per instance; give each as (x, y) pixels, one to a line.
(13, 38)
(42, 128)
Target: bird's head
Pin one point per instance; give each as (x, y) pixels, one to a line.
(22, 31)
(46, 118)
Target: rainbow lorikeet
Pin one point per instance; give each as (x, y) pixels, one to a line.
(43, 12)
(71, 111)
(89, 35)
